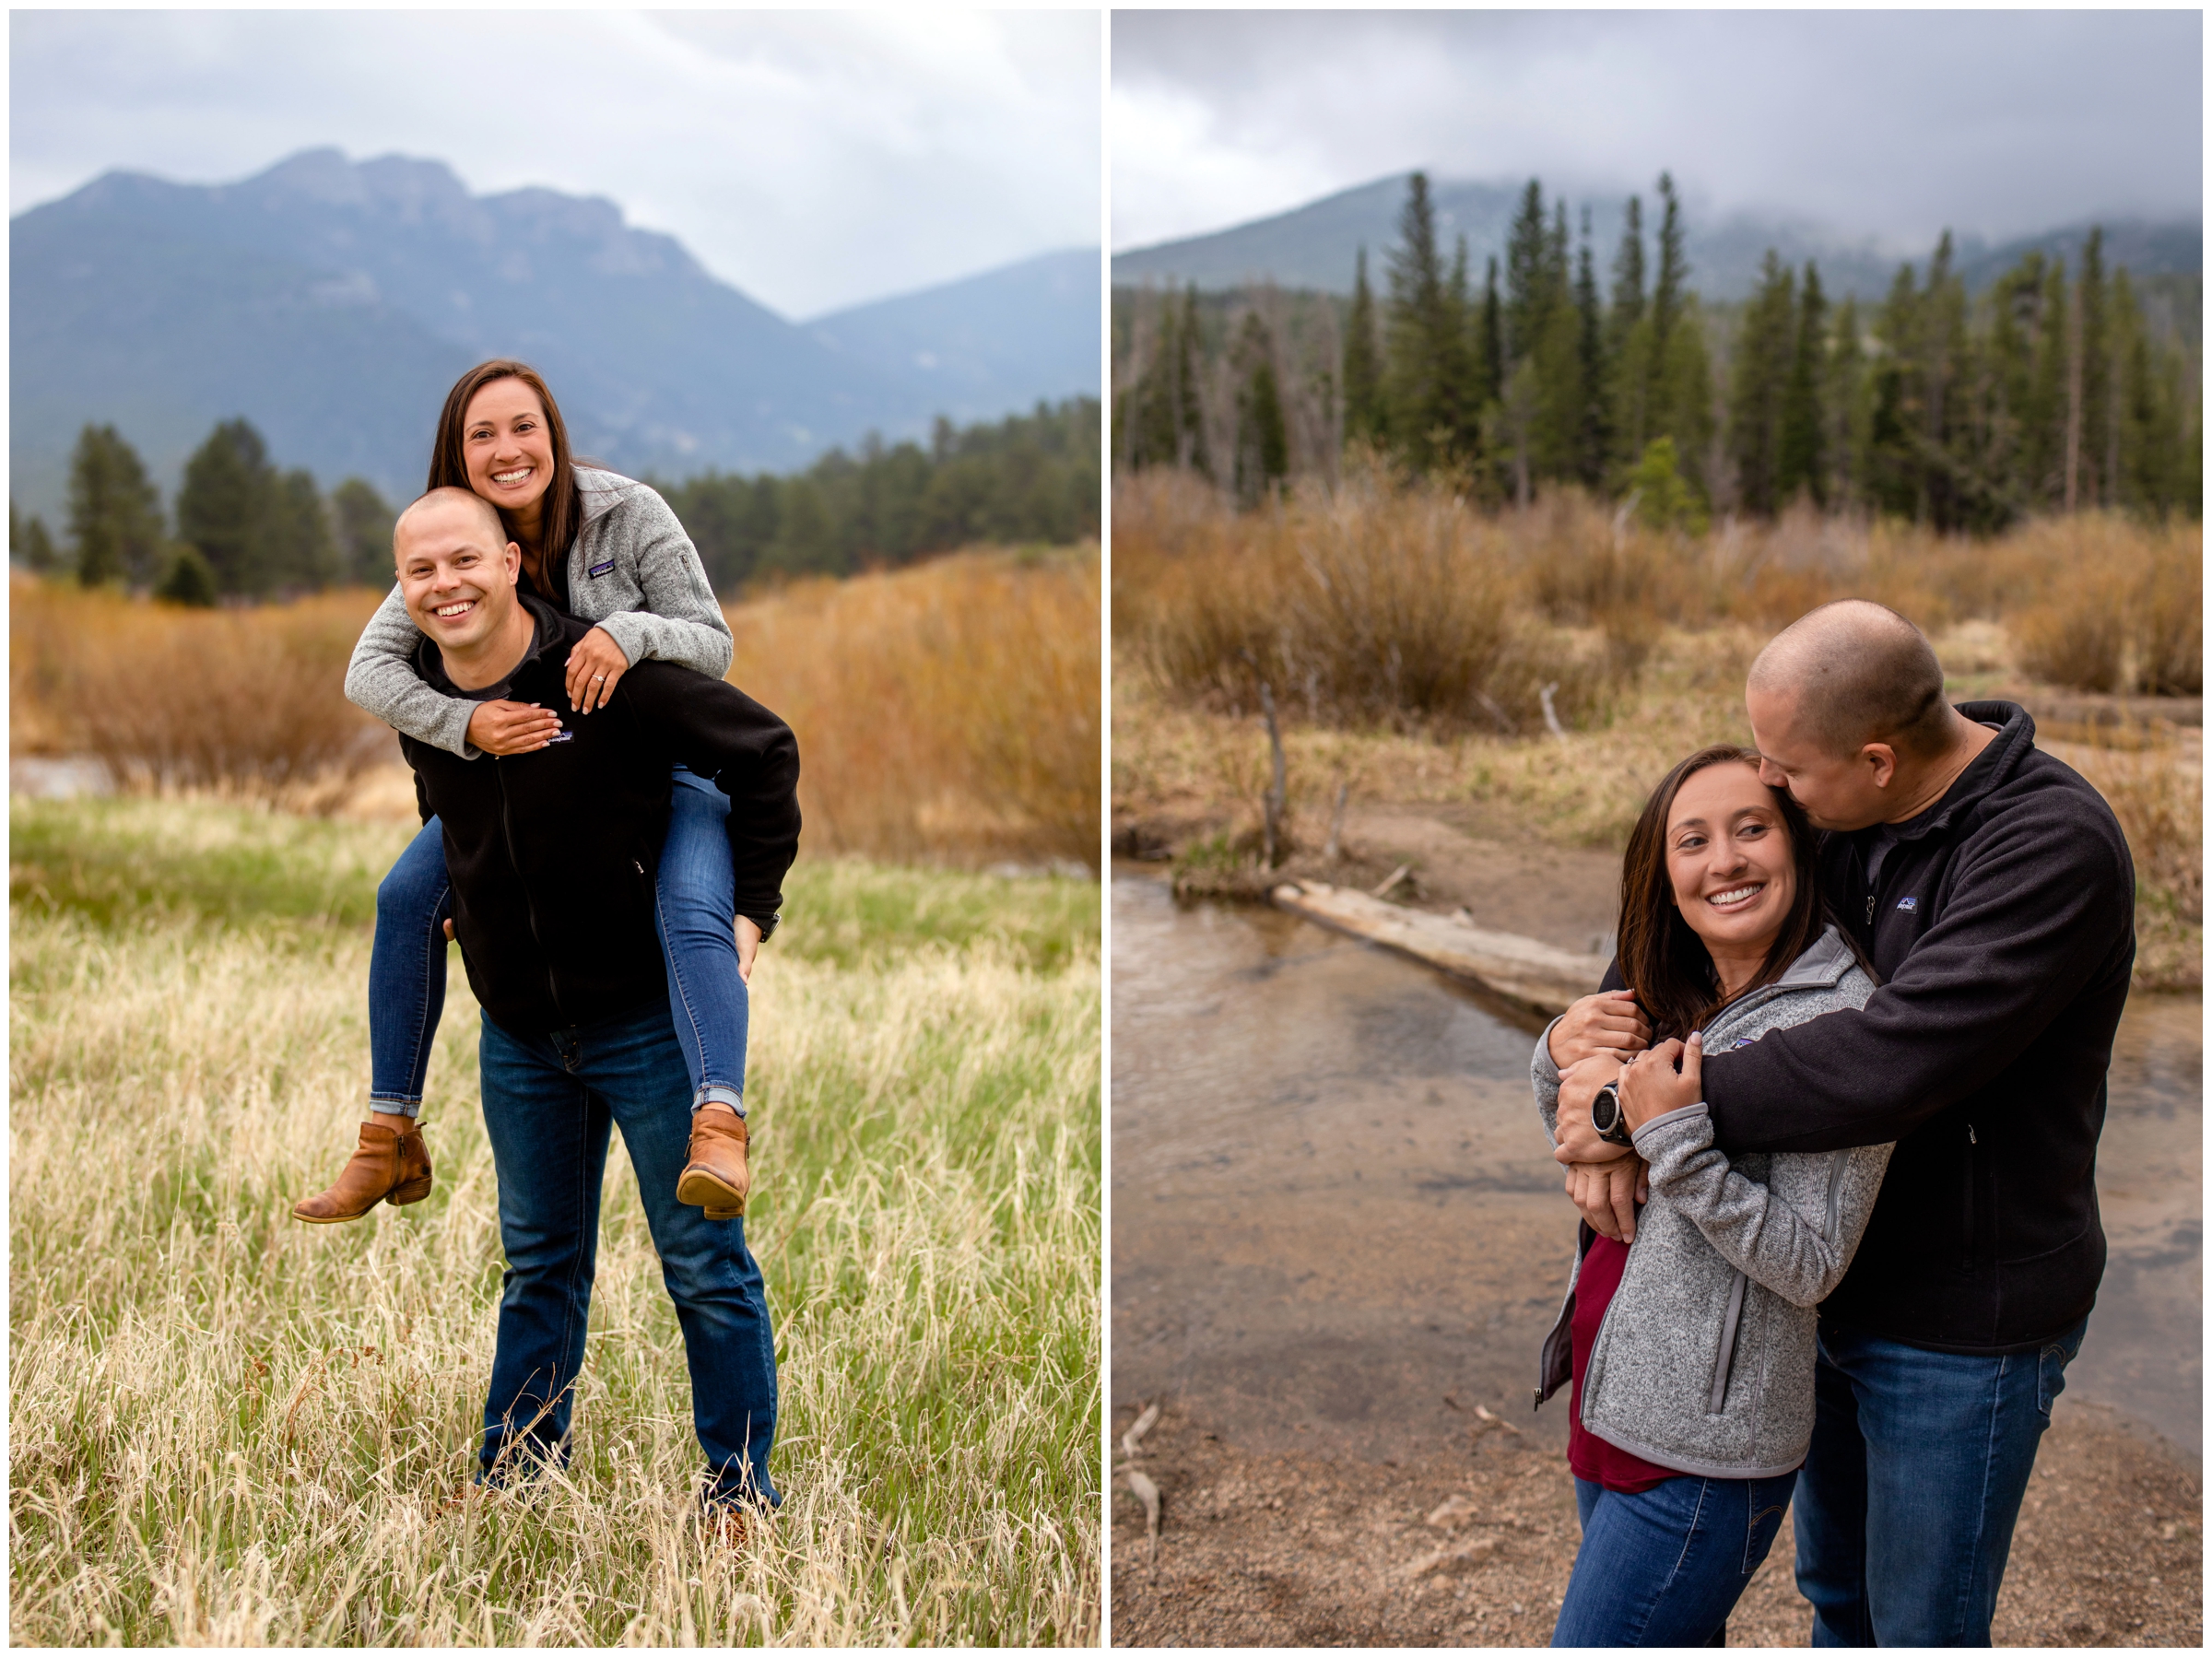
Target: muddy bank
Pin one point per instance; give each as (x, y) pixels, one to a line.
(1303, 1550)
(1337, 1235)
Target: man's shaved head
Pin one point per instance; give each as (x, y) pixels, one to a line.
(452, 497)
(1856, 672)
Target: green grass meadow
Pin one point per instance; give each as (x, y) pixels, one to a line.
(228, 1427)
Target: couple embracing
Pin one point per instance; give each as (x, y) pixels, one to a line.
(606, 827)
(1831, 1123)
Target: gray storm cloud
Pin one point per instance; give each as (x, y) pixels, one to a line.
(1883, 122)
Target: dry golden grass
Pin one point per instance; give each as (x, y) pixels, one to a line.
(248, 701)
(228, 1428)
(946, 712)
(1394, 601)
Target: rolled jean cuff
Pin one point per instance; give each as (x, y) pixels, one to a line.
(409, 1108)
(718, 1093)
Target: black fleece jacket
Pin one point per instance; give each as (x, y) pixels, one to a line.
(552, 855)
(2002, 926)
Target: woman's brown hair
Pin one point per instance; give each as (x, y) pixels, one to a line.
(1661, 958)
(561, 514)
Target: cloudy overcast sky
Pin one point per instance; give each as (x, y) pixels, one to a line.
(815, 159)
(1892, 125)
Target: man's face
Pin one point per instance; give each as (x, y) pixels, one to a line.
(457, 577)
(1839, 792)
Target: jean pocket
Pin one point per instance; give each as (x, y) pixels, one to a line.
(1768, 1505)
(2050, 1376)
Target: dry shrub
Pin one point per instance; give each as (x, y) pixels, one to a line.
(948, 712)
(242, 701)
(1379, 604)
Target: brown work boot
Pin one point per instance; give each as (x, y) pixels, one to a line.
(388, 1166)
(716, 1178)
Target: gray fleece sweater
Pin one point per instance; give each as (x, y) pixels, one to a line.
(633, 569)
(1704, 1361)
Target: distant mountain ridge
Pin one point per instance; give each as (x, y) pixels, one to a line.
(333, 303)
(1314, 246)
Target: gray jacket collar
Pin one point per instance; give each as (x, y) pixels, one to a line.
(1822, 967)
(601, 492)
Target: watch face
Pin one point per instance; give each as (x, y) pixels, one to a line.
(1604, 1110)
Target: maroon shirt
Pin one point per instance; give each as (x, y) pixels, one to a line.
(1589, 1456)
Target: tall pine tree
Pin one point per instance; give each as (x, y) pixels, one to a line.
(114, 509)
(1363, 419)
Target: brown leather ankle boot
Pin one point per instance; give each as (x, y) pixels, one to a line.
(388, 1166)
(717, 1176)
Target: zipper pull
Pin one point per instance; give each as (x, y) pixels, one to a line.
(1969, 1134)
(1870, 909)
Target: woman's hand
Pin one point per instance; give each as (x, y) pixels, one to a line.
(1654, 1087)
(1605, 1023)
(1607, 1193)
(748, 946)
(512, 727)
(593, 666)
(1571, 1133)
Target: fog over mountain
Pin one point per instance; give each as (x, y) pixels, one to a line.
(1314, 246)
(333, 303)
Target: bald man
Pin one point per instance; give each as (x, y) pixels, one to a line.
(1991, 889)
(552, 856)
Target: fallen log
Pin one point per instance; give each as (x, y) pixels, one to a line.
(1521, 970)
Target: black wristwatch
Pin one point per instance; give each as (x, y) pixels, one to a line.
(1607, 1117)
(767, 927)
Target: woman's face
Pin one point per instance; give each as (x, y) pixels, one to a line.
(1729, 857)
(507, 446)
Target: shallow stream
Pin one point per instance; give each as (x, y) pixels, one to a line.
(1337, 1228)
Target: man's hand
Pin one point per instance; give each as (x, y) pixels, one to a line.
(748, 946)
(512, 727)
(1607, 1193)
(1571, 1132)
(594, 664)
(1653, 1086)
(1605, 1023)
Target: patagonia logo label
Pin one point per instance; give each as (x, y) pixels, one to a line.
(1744, 1040)
(563, 735)
(1908, 904)
(600, 568)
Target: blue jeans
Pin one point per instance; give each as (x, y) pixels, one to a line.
(1666, 1566)
(1906, 1504)
(694, 914)
(549, 1101)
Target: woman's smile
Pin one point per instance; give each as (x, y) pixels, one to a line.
(1736, 898)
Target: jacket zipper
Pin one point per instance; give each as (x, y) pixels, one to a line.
(529, 907)
(1720, 1369)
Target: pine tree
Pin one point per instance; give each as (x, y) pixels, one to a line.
(2097, 427)
(1416, 328)
(1760, 375)
(1527, 274)
(114, 509)
(1459, 372)
(1799, 462)
(2043, 418)
(188, 580)
(1848, 410)
(1190, 414)
(364, 526)
(297, 546)
(1362, 364)
(1595, 442)
(1263, 442)
(1626, 340)
(1489, 334)
(30, 544)
(223, 507)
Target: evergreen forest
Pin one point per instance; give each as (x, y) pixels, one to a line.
(241, 528)
(2050, 391)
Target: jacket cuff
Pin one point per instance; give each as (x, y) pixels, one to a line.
(1646, 1138)
(1542, 1064)
(624, 628)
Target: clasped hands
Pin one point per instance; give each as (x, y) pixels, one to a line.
(1601, 1038)
(595, 665)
